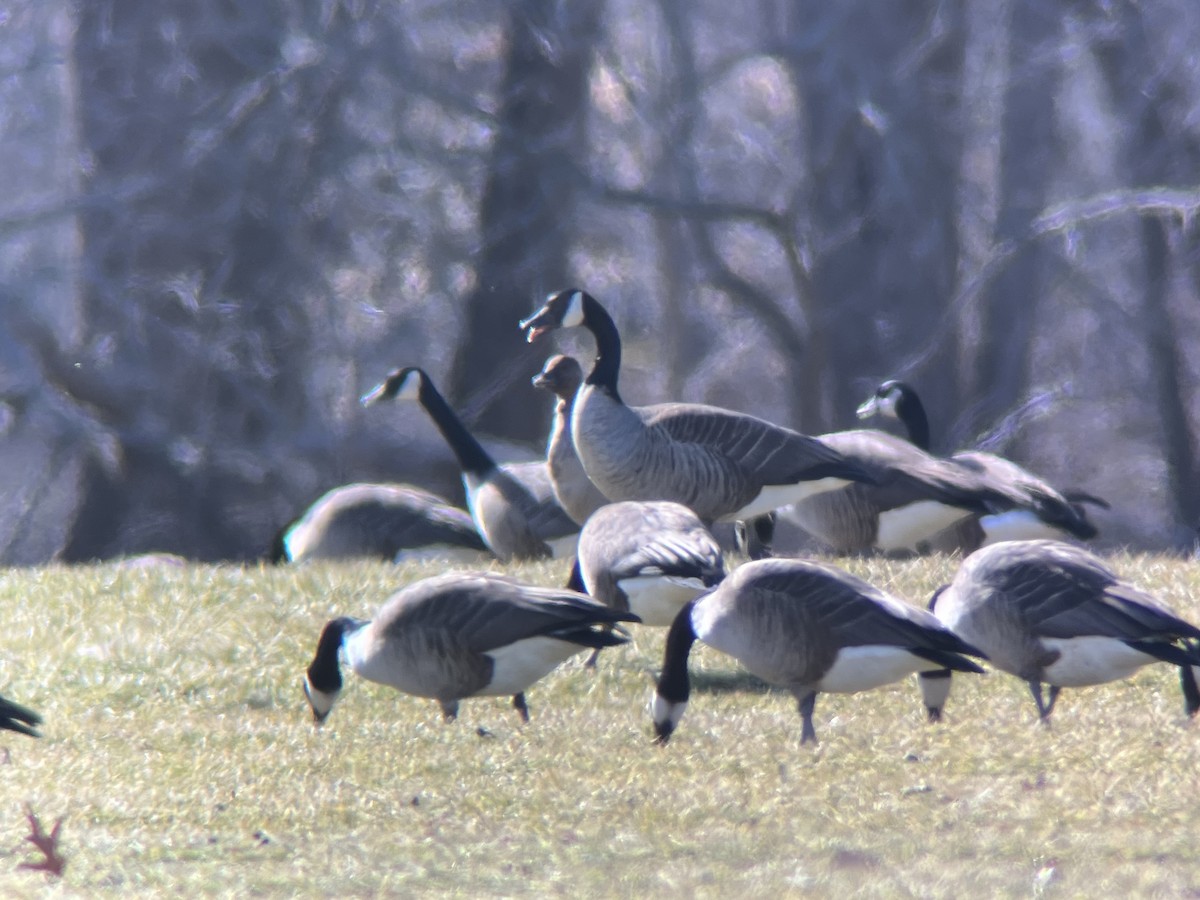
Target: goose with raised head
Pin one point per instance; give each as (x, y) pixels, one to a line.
(380, 521)
(562, 376)
(513, 506)
(723, 465)
(809, 628)
(1038, 509)
(1054, 614)
(465, 634)
(15, 717)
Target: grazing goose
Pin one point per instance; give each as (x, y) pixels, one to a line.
(15, 717)
(809, 628)
(1044, 513)
(562, 375)
(469, 634)
(377, 520)
(648, 558)
(1053, 613)
(723, 465)
(513, 506)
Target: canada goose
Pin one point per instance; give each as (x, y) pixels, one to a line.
(15, 717)
(1045, 513)
(809, 628)
(648, 558)
(723, 465)
(467, 634)
(562, 375)
(513, 506)
(376, 520)
(1053, 613)
(915, 496)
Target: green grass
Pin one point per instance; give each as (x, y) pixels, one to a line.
(179, 750)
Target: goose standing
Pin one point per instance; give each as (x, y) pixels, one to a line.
(809, 628)
(562, 375)
(1044, 513)
(377, 520)
(15, 717)
(723, 465)
(513, 506)
(469, 634)
(1053, 613)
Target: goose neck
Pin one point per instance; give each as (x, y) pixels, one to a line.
(912, 413)
(607, 366)
(472, 458)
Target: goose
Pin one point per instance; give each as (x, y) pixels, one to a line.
(1053, 613)
(513, 506)
(1045, 513)
(463, 634)
(562, 375)
(384, 521)
(14, 717)
(724, 465)
(807, 627)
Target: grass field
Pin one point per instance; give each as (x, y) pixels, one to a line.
(180, 753)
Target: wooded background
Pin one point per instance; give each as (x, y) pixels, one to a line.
(223, 222)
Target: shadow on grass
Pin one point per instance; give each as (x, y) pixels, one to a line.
(731, 683)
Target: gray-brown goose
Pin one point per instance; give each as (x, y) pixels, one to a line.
(809, 628)
(723, 465)
(467, 634)
(562, 376)
(1044, 512)
(1053, 613)
(380, 521)
(513, 506)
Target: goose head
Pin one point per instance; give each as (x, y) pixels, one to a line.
(562, 309)
(401, 384)
(323, 679)
(561, 375)
(887, 401)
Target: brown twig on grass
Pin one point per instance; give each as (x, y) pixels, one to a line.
(51, 861)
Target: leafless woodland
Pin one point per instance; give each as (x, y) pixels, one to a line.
(223, 221)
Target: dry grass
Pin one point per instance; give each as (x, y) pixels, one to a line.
(179, 749)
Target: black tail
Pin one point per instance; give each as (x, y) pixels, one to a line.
(15, 717)
(949, 660)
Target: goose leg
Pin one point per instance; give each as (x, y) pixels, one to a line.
(1054, 692)
(520, 707)
(807, 704)
(1035, 688)
(449, 709)
(1191, 692)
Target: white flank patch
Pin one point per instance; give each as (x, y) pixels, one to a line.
(777, 495)
(664, 711)
(1016, 525)
(935, 691)
(863, 668)
(907, 526)
(657, 599)
(519, 665)
(1092, 660)
(564, 547)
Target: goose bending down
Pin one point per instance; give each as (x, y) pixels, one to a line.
(723, 465)
(1044, 512)
(15, 717)
(469, 634)
(562, 375)
(376, 520)
(1053, 613)
(808, 627)
(512, 506)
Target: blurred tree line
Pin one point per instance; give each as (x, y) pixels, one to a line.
(224, 221)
